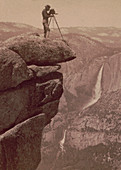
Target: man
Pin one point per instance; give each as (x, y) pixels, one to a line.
(46, 15)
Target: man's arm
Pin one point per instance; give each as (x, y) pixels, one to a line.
(45, 14)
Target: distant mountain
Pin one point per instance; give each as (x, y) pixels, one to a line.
(110, 36)
(8, 29)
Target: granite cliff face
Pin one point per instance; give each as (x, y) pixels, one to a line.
(98, 127)
(30, 89)
(93, 135)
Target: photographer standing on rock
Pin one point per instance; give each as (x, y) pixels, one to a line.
(46, 15)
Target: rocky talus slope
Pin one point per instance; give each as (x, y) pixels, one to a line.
(30, 89)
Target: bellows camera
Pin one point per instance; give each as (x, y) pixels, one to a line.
(52, 11)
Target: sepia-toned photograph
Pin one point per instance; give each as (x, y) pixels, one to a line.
(60, 84)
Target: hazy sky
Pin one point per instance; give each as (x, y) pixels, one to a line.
(71, 12)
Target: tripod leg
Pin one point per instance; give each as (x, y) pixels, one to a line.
(48, 33)
(58, 27)
(50, 21)
(49, 25)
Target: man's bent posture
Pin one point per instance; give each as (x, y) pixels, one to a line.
(46, 15)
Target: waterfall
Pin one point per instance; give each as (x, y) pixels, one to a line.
(60, 152)
(63, 141)
(97, 90)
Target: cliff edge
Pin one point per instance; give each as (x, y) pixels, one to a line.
(30, 89)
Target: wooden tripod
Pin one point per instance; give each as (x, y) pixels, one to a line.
(54, 18)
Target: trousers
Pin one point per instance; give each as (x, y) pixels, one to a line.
(46, 28)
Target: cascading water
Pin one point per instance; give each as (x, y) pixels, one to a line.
(60, 151)
(63, 141)
(97, 90)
